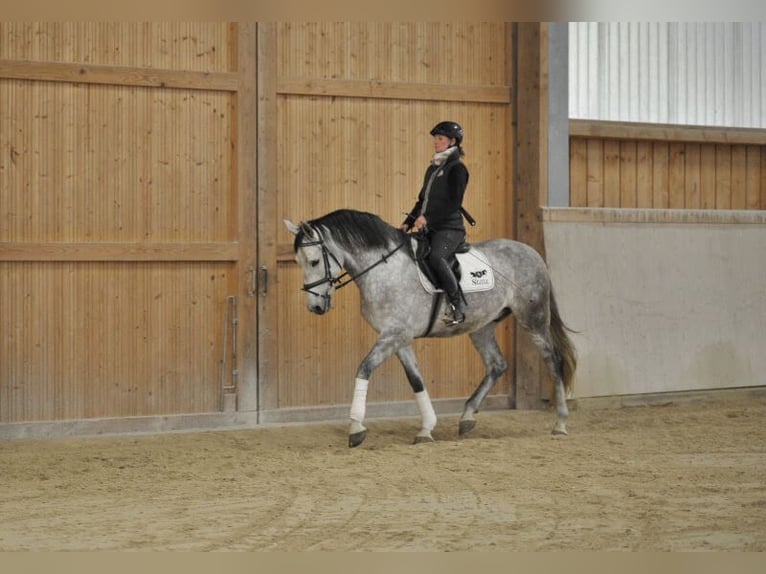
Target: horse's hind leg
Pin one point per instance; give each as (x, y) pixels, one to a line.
(555, 363)
(428, 416)
(494, 366)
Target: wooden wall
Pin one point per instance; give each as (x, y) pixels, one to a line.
(145, 170)
(615, 164)
(121, 197)
(354, 103)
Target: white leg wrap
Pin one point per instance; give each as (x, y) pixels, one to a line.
(426, 410)
(359, 402)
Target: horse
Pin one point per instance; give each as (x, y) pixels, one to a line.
(349, 246)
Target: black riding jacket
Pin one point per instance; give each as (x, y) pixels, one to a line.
(441, 197)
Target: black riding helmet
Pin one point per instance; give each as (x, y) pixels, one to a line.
(449, 129)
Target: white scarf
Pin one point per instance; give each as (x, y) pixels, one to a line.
(441, 156)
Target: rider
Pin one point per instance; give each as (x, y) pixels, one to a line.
(438, 210)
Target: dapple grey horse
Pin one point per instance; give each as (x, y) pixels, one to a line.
(351, 246)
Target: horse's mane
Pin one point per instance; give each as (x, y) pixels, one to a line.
(354, 229)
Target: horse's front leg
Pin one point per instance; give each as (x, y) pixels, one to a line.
(427, 414)
(386, 345)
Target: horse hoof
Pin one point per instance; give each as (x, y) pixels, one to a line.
(357, 438)
(466, 426)
(559, 431)
(422, 439)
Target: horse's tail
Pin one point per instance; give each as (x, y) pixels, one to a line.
(564, 347)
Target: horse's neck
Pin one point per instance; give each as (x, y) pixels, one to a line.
(355, 261)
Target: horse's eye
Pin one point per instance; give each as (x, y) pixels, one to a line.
(314, 262)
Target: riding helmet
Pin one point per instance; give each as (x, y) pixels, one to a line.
(449, 129)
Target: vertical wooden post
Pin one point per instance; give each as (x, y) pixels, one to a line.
(530, 185)
(267, 217)
(245, 204)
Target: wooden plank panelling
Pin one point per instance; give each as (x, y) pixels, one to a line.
(118, 76)
(627, 193)
(595, 173)
(665, 132)
(354, 105)
(676, 176)
(381, 179)
(738, 177)
(708, 177)
(723, 176)
(644, 179)
(126, 217)
(660, 182)
(674, 216)
(753, 178)
(110, 163)
(181, 46)
(705, 169)
(578, 180)
(394, 90)
(103, 251)
(86, 340)
(449, 54)
(611, 172)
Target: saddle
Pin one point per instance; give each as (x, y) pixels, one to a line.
(470, 266)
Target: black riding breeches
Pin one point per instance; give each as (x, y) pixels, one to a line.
(443, 246)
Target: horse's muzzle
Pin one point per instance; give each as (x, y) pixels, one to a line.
(317, 309)
(319, 306)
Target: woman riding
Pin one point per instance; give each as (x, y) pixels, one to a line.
(438, 210)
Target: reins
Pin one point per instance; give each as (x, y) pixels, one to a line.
(383, 259)
(338, 281)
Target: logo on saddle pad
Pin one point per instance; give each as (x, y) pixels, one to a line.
(475, 273)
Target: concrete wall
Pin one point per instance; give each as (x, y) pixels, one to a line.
(663, 300)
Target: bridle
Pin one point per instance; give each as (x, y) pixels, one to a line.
(328, 278)
(338, 281)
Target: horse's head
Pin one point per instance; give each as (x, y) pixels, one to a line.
(321, 268)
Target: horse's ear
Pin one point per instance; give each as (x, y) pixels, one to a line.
(308, 231)
(294, 229)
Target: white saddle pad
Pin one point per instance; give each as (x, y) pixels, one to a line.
(475, 273)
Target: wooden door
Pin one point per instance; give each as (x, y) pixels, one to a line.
(127, 239)
(344, 116)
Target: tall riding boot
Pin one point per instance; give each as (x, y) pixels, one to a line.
(450, 286)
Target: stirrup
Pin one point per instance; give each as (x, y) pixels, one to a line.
(457, 317)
